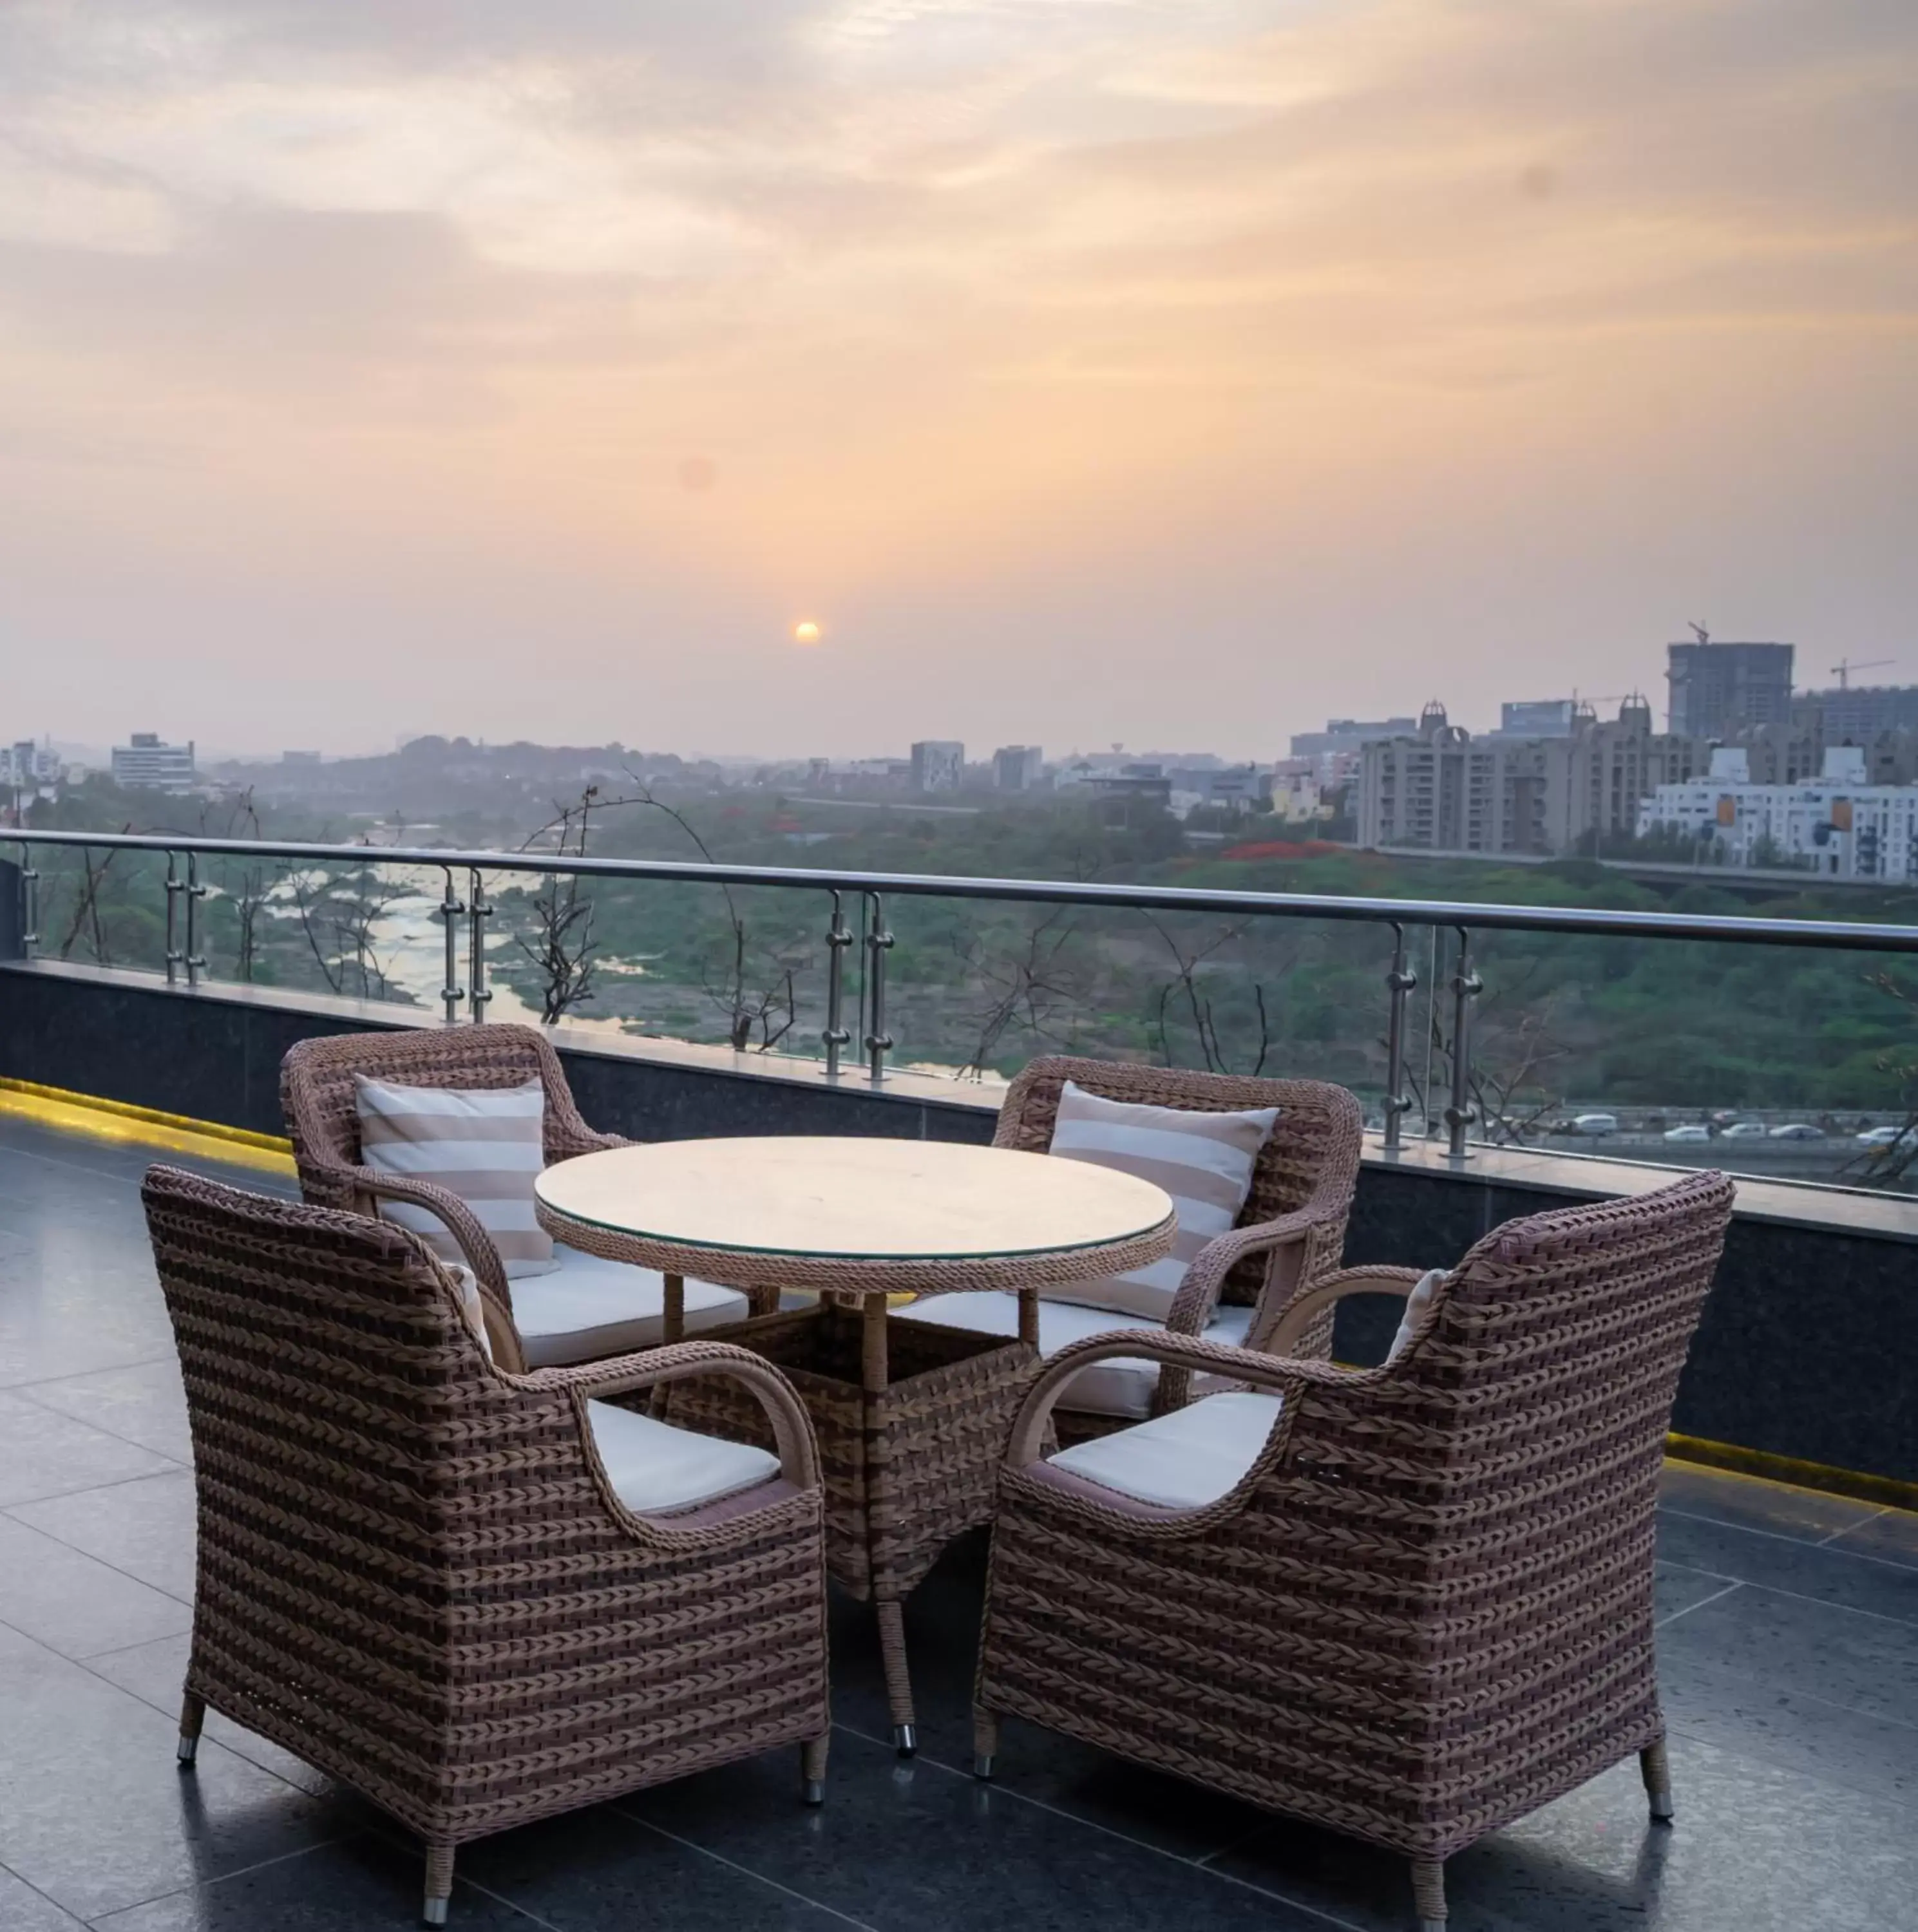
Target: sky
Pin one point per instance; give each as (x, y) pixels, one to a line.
(1171, 372)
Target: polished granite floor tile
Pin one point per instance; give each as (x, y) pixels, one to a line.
(73, 1602)
(1676, 1593)
(900, 1846)
(145, 1405)
(599, 1868)
(94, 1812)
(1830, 1572)
(1723, 1496)
(363, 1884)
(1848, 1658)
(44, 1452)
(156, 1673)
(1788, 1643)
(144, 1528)
(1771, 1718)
(1755, 1848)
(1891, 1536)
(24, 1909)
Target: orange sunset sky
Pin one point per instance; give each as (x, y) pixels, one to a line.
(1173, 372)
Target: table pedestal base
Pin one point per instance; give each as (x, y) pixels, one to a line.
(912, 1421)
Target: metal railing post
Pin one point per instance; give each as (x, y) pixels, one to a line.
(175, 886)
(839, 936)
(1401, 981)
(477, 913)
(29, 902)
(196, 892)
(878, 943)
(451, 907)
(1466, 987)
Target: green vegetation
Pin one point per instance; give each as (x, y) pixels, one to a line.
(984, 986)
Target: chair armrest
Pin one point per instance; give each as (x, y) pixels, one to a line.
(621, 1375)
(1192, 1307)
(1299, 1313)
(1290, 1378)
(475, 1243)
(1199, 1293)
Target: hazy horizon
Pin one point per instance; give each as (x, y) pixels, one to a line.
(1173, 372)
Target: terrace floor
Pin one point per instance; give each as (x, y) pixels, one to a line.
(1789, 1662)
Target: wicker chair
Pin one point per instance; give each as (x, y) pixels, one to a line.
(555, 1319)
(1291, 1231)
(420, 1573)
(1418, 1604)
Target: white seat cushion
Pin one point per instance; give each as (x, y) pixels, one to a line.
(1122, 1385)
(652, 1465)
(589, 1307)
(1181, 1461)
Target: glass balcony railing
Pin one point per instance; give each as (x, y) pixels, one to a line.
(1773, 1046)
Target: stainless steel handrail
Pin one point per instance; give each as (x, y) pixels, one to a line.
(1844, 935)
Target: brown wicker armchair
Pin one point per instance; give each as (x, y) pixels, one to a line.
(1413, 1602)
(592, 1308)
(1291, 1231)
(421, 1574)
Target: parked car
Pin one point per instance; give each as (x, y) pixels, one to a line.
(1745, 1130)
(1881, 1136)
(1798, 1130)
(1690, 1133)
(1593, 1123)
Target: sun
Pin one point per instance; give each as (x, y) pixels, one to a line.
(806, 631)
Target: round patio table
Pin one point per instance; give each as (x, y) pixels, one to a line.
(911, 1417)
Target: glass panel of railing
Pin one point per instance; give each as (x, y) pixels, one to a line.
(107, 907)
(1796, 1063)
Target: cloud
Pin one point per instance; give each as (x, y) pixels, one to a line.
(1067, 310)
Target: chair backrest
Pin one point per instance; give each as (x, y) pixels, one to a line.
(1529, 1409)
(1315, 1139)
(327, 1369)
(317, 1097)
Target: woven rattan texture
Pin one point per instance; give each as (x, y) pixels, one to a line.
(411, 1574)
(317, 1092)
(939, 1428)
(1428, 1610)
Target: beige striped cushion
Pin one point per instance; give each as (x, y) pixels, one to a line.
(1203, 1161)
(486, 1144)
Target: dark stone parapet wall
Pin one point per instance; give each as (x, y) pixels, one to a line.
(1808, 1349)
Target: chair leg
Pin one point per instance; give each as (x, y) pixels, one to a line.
(812, 1767)
(438, 1884)
(985, 1740)
(193, 1714)
(1428, 1893)
(1655, 1768)
(899, 1682)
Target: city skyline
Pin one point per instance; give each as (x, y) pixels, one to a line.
(1163, 374)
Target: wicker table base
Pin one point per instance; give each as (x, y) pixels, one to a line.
(912, 1421)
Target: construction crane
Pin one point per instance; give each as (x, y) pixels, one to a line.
(1843, 669)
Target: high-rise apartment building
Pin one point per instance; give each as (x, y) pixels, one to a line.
(1718, 690)
(1839, 824)
(148, 764)
(1441, 790)
(1018, 768)
(938, 764)
(1852, 714)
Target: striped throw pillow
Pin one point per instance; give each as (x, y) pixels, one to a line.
(1203, 1161)
(487, 1144)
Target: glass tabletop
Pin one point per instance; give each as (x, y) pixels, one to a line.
(837, 1198)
